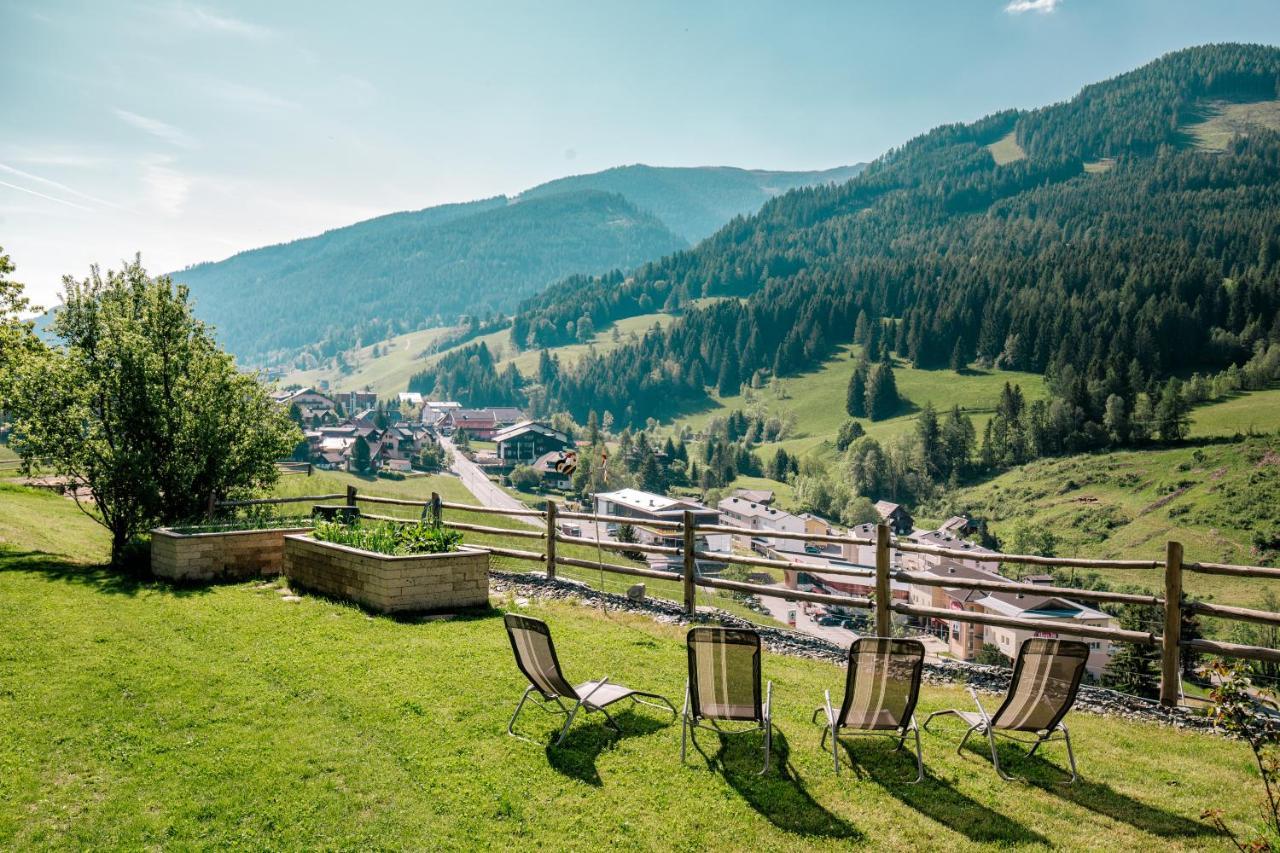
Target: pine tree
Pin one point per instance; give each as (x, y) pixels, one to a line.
(1134, 669)
(882, 393)
(729, 380)
(856, 396)
(360, 455)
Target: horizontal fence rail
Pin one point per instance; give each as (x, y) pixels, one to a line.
(878, 578)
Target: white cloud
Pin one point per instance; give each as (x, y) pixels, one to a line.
(166, 188)
(241, 95)
(156, 128)
(199, 19)
(46, 197)
(58, 186)
(1044, 7)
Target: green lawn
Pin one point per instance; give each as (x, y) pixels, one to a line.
(1252, 412)
(1222, 121)
(139, 714)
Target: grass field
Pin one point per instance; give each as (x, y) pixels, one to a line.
(137, 714)
(1254, 412)
(817, 399)
(1224, 120)
(387, 375)
(1129, 504)
(1006, 149)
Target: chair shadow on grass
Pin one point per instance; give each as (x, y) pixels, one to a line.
(894, 770)
(1049, 774)
(576, 756)
(778, 796)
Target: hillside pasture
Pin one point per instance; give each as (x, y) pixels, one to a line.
(1222, 121)
(1006, 149)
(136, 714)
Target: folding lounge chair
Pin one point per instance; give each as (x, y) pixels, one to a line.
(1046, 679)
(536, 657)
(880, 692)
(724, 685)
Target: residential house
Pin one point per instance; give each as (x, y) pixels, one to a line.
(527, 441)
(481, 424)
(761, 519)
(647, 507)
(896, 516)
(759, 496)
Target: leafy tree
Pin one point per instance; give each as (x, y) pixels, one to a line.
(992, 656)
(1116, 420)
(850, 431)
(1171, 417)
(1028, 538)
(141, 408)
(17, 340)
(525, 478)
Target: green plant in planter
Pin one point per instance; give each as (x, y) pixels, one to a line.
(385, 537)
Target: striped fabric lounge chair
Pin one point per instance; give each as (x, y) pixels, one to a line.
(881, 687)
(536, 657)
(724, 686)
(1046, 679)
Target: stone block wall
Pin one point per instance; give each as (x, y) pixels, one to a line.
(413, 583)
(229, 555)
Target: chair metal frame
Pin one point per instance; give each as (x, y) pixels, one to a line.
(834, 727)
(981, 722)
(582, 702)
(764, 716)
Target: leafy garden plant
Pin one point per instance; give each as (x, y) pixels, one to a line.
(384, 537)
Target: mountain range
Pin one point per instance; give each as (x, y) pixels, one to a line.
(402, 271)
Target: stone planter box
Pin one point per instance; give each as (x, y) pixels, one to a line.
(387, 584)
(224, 555)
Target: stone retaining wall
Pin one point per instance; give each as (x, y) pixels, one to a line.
(225, 555)
(387, 584)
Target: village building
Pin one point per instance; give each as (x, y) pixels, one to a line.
(761, 519)
(896, 516)
(527, 441)
(649, 507)
(481, 424)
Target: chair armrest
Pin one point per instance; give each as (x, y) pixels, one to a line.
(978, 702)
(831, 714)
(599, 684)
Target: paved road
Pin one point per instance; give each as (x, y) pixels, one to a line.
(484, 490)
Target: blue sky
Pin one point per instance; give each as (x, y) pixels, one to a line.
(191, 130)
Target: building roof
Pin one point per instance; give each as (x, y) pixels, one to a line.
(887, 508)
(649, 502)
(947, 540)
(1030, 606)
(751, 509)
(413, 398)
(760, 496)
(524, 427)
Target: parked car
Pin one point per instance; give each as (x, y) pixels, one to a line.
(812, 549)
(829, 621)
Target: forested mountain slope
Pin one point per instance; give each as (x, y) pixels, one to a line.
(1108, 280)
(407, 270)
(400, 272)
(694, 202)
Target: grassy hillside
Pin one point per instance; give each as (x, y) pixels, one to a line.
(140, 715)
(1257, 411)
(1222, 121)
(1215, 499)
(387, 374)
(1006, 149)
(817, 399)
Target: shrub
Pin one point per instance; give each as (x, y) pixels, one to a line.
(250, 523)
(385, 537)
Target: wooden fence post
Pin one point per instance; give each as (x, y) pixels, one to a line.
(1170, 652)
(883, 625)
(351, 495)
(437, 511)
(690, 565)
(551, 539)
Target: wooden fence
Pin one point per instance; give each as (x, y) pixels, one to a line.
(1172, 603)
